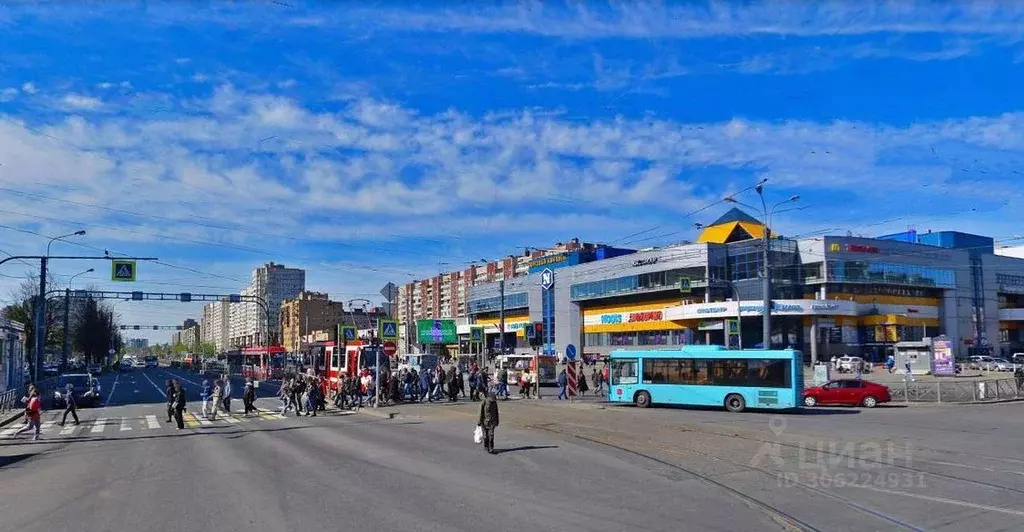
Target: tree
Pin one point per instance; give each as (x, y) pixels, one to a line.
(96, 331)
(207, 349)
(23, 309)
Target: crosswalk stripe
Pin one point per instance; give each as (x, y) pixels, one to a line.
(151, 422)
(203, 420)
(47, 425)
(190, 420)
(68, 430)
(10, 431)
(125, 424)
(230, 419)
(99, 425)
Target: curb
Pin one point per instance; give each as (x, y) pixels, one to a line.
(370, 411)
(11, 419)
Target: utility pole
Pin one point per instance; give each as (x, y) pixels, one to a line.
(40, 325)
(501, 315)
(67, 329)
(766, 281)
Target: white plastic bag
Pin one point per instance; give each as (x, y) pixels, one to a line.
(478, 434)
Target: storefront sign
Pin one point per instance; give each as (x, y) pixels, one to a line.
(712, 310)
(645, 262)
(1013, 284)
(861, 248)
(611, 318)
(637, 317)
(784, 307)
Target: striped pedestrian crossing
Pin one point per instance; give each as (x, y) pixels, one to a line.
(126, 426)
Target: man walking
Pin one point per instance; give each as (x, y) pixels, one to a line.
(204, 395)
(179, 404)
(69, 404)
(169, 395)
(503, 383)
(249, 397)
(563, 382)
(489, 419)
(227, 393)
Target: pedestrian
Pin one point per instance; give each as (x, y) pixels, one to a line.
(425, 385)
(482, 384)
(298, 390)
(226, 390)
(204, 396)
(907, 375)
(503, 383)
(563, 382)
(605, 374)
(596, 376)
(474, 374)
(890, 363)
(69, 404)
(488, 419)
(216, 399)
(179, 404)
(249, 397)
(582, 384)
(169, 395)
(453, 384)
(33, 413)
(525, 385)
(312, 401)
(1018, 374)
(284, 394)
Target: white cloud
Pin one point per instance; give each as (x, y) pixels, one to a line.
(8, 94)
(29, 88)
(80, 101)
(182, 60)
(105, 85)
(199, 77)
(338, 173)
(287, 84)
(636, 20)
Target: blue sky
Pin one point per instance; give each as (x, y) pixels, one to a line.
(386, 144)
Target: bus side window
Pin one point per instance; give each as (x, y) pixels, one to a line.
(624, 371)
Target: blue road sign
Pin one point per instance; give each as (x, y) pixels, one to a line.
(570, 352)
(388, 329)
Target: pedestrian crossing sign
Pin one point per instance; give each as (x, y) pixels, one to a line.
(388, 330)
(122, 270)
(347, 333)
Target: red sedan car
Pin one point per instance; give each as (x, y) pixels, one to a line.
(851, 392)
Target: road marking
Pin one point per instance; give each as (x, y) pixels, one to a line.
(99, 425)
(112, 387)
(10, 431)
(203, 420)
(46, 426)
(191, 421)
(941, 499)
(69, 430)
(151, 422)
(155, 386)
(125, 424)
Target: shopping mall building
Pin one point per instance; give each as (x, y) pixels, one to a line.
(830, 295)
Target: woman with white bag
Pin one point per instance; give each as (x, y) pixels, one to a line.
(488, 422)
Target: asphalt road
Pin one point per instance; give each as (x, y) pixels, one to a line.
(124, 468)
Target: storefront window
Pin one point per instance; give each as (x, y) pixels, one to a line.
(654, 338)
(491, 304)
(627, 338)
(888, 273)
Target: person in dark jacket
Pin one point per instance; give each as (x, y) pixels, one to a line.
(453, 384)
(204, 396)
(474, 374)
(489, 419)
(249, 397)
(179, 404)
(69, 404)
(563, 382)
(169, 393)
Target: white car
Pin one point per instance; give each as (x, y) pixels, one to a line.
(1000, 364)
(849, 364)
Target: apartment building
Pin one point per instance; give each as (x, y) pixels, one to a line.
(189, 335)
(310, 311)
(273, 283)
(445, 295)
(215, 325)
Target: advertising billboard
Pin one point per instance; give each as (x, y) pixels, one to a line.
(437, 331)
(943, 363)
(555, 261)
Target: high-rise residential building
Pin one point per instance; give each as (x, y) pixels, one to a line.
(138, 343)
(444, 296)
(189, 335)
(216, 324)
(273, 283)
(309, 312)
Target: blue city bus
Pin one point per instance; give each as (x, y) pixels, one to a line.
(707, 375)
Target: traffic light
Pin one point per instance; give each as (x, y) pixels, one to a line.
(535, 334)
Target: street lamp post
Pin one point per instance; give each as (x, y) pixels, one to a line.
(40, 325)
(67, 319)
(766, 278)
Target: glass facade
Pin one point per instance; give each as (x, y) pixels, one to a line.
(645, 282)
(855, 271)
(493, 304)
(673, 337)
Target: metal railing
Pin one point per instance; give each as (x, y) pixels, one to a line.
(956, 391)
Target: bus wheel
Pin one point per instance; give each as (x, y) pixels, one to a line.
(643, 399)
(734, 402)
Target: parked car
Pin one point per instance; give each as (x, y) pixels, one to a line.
(850, 364)
(1000, 364)
(86, 390)
(95, 369)
(851, 392)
